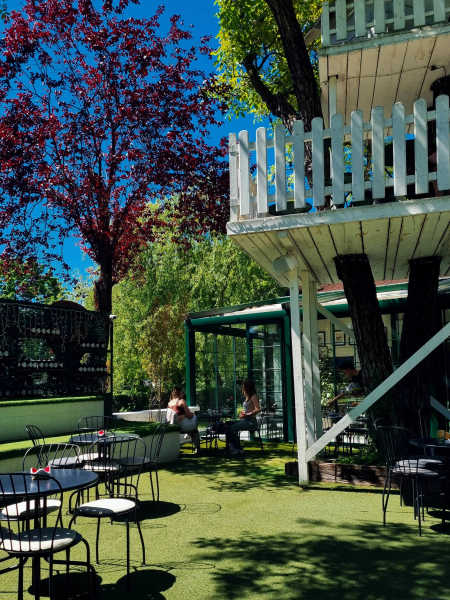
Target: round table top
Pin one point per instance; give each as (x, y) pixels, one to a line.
(69, 479)
(94, 437)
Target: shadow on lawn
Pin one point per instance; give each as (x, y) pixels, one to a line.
(372, 562)
(255, 470)
(146, 584)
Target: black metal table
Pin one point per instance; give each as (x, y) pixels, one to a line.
(88, 438)
(68, 479)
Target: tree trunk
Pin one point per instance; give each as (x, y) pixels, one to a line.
(421, 321)
(303, 81)
(373, 350)
(103, 289)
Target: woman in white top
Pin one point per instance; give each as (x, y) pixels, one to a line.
(182, 415)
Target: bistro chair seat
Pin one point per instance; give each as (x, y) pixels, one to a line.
(105, 507)
(100, 466)
(27, 510)
(38, 540)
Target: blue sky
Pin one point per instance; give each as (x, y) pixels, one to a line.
(201, 15)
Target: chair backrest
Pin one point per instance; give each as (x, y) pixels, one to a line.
(35, 434)
(96, 423)
(156, 442)
(129, 454)
(19, 490)
(60, 456)
(394, 443)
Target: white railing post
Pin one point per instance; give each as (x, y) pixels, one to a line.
(325, 24)
(341, 19)
(298, 149)
(234, 174)
(421, 147)
(357, 126)
(439, 11)
(337, 159)
(360, 19)
(442, 146)
(399, 149)
(399, 14)
(379, 15)
(280, 168)
(261, 173)
(318, 163)
(244, 173)
(378, 162)
(419, 13)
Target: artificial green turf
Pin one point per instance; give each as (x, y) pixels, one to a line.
(239, 529)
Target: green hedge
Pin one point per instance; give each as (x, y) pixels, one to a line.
(25, 402)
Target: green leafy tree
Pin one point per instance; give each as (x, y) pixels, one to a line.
(263, 59)
(169, 282)
(29, 280)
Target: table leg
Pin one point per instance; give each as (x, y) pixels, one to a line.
(36, 576)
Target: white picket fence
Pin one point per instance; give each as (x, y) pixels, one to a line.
(249, 189)
(348, 19)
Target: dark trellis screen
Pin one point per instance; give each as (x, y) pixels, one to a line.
(57, 350)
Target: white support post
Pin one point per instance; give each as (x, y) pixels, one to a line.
(311, 358)
(297, 361)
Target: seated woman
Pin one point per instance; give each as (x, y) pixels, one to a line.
(247, 418)
(171, 406)
(185, 418)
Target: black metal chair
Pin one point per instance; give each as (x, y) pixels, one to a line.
(400, 465)
(35, 538)
(35, 434)
(97, 423)
(123, 466)
(153, 458)
(57, 456)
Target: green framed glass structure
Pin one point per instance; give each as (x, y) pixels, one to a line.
(224, 346)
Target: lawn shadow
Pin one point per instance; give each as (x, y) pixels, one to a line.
(254, 470)
(145, 584)
(149, 509)
(318, 560)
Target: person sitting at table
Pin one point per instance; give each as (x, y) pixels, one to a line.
(247, 418)
(354, 386)
(185, 418)
(171, 406)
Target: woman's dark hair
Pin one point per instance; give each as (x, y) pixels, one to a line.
(182, 396)
(175, 393)
(248, 387)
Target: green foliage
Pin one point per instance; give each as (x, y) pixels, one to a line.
(28, 280)
(169, 282)
(247, 27)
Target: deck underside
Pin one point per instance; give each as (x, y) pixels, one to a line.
(391, 234)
